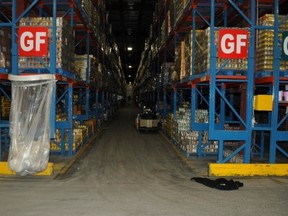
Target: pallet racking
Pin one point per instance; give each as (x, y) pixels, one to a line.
(219, 88)
(92, 98)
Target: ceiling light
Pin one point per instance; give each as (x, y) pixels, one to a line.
(130, 66)
(129, 48)
(129, 75)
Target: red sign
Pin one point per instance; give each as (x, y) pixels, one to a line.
(233, 43)
(33, 41)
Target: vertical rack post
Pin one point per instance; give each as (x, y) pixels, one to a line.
(275, 89)
(250, 85)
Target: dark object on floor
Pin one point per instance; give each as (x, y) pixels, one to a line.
(220, 183)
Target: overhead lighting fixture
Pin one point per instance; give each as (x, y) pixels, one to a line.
(129, 48)
(129, 76)
(130, 66)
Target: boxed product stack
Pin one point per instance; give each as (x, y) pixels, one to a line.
(265, 50)
(166, 67)
(190, 141)
(5, 47)
(210, 146)
(182, 121)
(171, 15)
(81, 65)
(64, 44)
(95, 21)
(79, 136)
(168, 124)
(201, 116)
(86, 6)
(202, 53)
(5, 108)
(163, 33)
(95, 76)
(179, 7)
(235, 159)
(231, 145)
(182, 61)
(188, 55)
(175, 75)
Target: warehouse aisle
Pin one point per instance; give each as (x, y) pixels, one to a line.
(131, 174)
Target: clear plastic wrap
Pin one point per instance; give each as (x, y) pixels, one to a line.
(30, 124)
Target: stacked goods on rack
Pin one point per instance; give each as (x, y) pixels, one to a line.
(175, 74)
(64, 45)
(91, 126)
(95, 22)
(188, 139)
(179, 7)
(210, 146)
(97, 71)
(182, 122)
(235, 159)
(86, 7)
(230, 146)
(80, 134)
(163, 33)
(81, 65)
(5, 107)
(5, 47)
(202, 53)
(188, 55)
(168, 124)
(166, 68)
(183, 57)
(171, 16)
(265, 49)
(190, 142)
(201, 116)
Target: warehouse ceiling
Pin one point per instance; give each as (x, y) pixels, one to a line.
(130, 21)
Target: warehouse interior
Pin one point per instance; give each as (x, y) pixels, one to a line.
(143, 107)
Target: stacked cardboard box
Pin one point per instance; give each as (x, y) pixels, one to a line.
(163, 33)
(79, 136)
(265, 49)
(5, 47)
(179, 7)
(235, 159)
(189, 139)
(168, 124)
(81, 65)
(5, 108)
(171, 14)
(202, 53)
(64, 45)
(166, 68)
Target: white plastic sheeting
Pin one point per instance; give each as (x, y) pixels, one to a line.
(30, 123)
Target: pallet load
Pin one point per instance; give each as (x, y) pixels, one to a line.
(81, 65)
(265, 49)
(5, 47)
(5, 107)
(202, 53)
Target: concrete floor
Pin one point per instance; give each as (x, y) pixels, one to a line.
(131, 174)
